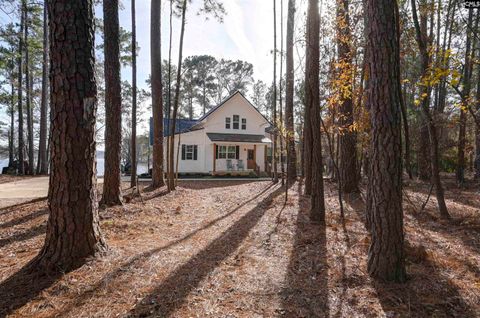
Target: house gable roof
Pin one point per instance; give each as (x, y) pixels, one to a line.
(211, 111)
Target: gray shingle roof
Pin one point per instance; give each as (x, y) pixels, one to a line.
(238, 138)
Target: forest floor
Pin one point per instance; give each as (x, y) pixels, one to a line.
(238, 249)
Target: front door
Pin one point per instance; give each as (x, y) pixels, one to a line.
(250, 159)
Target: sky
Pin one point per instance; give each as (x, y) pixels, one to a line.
(246, 33)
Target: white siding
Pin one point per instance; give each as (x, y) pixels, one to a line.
(215, 123)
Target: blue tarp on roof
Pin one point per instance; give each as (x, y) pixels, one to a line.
(182, 125)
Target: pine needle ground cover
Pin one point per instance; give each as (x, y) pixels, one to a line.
(238, 249)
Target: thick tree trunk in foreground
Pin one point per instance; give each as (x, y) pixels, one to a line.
(113, 105)
(21, 141)
(386, 254)
(133, 179)
(42, 164)
(73, 232)
(312, 97)
(348, 138)
(290, 81)
(157, 104)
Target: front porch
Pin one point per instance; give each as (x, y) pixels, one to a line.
(238, 159)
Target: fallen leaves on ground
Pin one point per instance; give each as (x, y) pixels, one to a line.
(238, 249)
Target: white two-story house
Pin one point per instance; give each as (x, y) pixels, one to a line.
(232, 138)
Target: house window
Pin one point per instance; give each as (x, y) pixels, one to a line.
(189, 152)
(228, 152)
(236, 121)
(244, 123)
(227, 123)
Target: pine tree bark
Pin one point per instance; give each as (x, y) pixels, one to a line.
(133, 143)
(348, 138)
(157, 96)
(386, 253)
(42, 163)
(73, 232)
(28, 102)
(113, 105)
(289, 83)
(21, 141)
(312, 97)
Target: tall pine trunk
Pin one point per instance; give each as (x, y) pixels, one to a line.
(274, 107)
(171, 148)
(386, 254)
(21, 141)
(73, 232)
(312, 97)
(289, 82)
(11, 148)
(28, 102)
(113, 105)
(42, 164)
(133, 179)
(157, 103)
(280, 88)
(347, 138)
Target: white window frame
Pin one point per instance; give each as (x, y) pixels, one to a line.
(227, 152)
(236, 122)
(189, 152)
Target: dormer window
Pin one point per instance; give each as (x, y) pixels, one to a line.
(236, 122)
(244, 123)
(227, 123)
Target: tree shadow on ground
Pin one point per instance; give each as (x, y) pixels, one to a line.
(172, 292)
(455, 228)
(23, 236)
(426, 294)
(24, 219)
(212, 183)
(306, 290)
(22, 287)
(114, 276)
(14, 207)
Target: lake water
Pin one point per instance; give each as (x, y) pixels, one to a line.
(142, 167)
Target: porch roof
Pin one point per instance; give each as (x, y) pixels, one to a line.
(256, 139)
